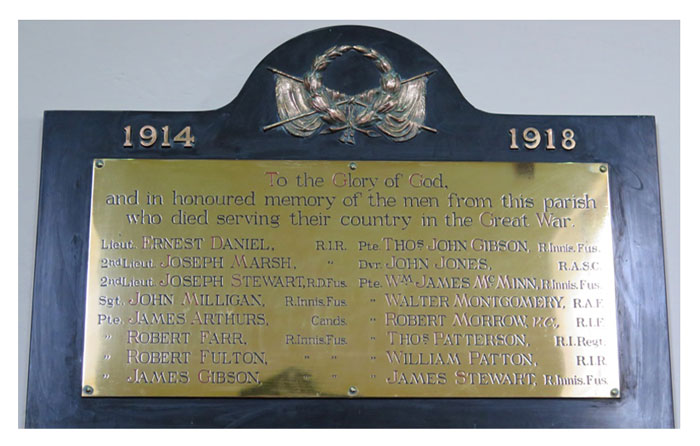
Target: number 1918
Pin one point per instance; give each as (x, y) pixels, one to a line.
(531, 139)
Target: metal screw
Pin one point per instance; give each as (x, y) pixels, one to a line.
(603, 169)
(615, 392)
(99, 164)
(352, 165)
(352, 391)
(88, 390)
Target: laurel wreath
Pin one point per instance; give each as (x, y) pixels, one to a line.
(328, 102)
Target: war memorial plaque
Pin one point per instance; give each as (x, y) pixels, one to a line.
(315, 278)
(346, 247)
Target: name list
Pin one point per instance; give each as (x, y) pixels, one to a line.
(326, 279)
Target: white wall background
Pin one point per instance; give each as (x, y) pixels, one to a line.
(553, 67)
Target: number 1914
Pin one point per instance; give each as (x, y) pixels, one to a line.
(148, 136)
(531, 138)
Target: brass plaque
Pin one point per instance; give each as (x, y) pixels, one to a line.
(220, 278)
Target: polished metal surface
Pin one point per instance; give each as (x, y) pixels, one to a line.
(350, 279)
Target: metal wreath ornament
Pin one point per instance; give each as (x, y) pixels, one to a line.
(396, 107)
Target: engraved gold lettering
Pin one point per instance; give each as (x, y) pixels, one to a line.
(307, 279)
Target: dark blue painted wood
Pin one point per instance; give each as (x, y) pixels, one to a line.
(72, 139)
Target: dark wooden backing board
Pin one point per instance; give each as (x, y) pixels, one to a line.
(72, 139)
